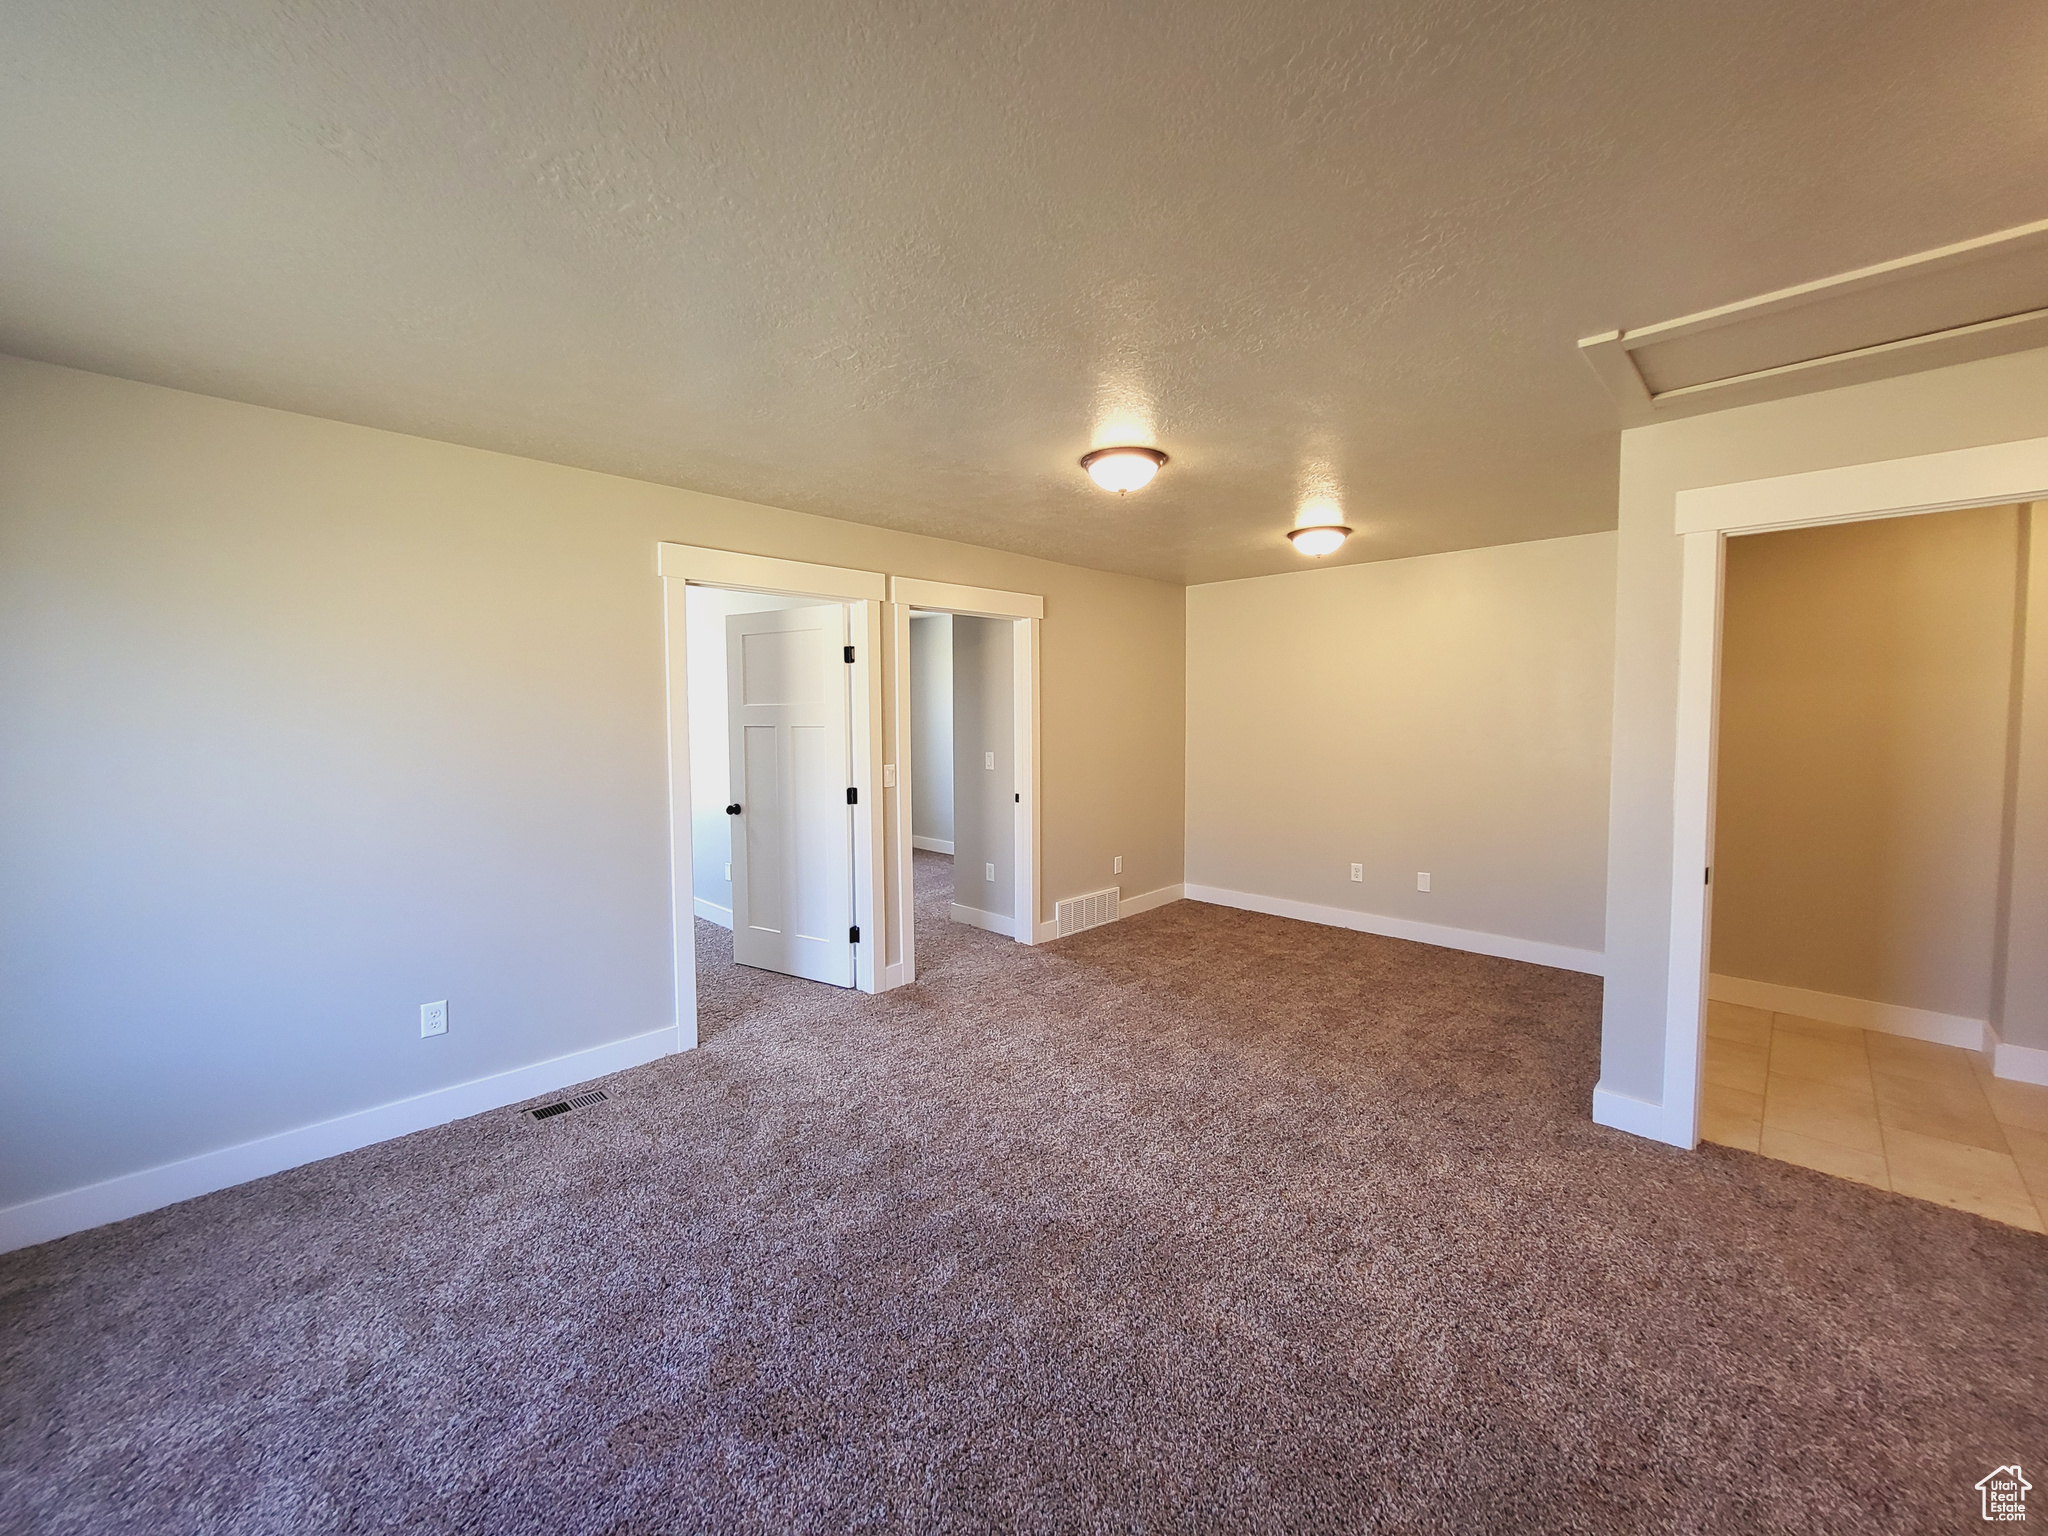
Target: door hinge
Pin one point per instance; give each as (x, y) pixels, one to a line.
(1710, 876)
(853, 797)
(849, 653)
(853, 934)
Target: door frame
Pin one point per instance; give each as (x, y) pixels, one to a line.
(1704, 520)
(1027, 613)
(865, 593)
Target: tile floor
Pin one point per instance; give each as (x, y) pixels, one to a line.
(1919, 1119)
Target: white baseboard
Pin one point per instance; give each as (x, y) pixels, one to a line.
(130, 1194)
(932, 844)
(1856, 1012)
(1500, 945)
(711, 912)
(1131, 906)
(2021, 1063)
(1639, 1117)
(974, 917)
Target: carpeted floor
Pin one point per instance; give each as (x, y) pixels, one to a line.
(1205, 1220)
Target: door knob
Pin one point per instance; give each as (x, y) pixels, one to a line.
(732, 810)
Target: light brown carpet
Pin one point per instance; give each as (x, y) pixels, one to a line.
(1201, 1221)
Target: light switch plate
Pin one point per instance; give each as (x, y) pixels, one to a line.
(988, 760)
(1421, 880)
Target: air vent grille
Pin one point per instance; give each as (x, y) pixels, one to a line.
(1091, 911)
(563, 1106)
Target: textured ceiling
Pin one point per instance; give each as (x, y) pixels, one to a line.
(905, 263)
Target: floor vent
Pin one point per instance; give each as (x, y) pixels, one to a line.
(1090, 911)
(581, 1101)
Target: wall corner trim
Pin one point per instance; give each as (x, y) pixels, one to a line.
(1501, 946)
(133, 1194)
(1639, 1117)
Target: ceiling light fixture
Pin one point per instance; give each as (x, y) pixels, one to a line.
(1123, 469)
(1320, 539)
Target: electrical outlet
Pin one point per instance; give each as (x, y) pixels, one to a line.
(1422, 880)
(988, 760)
(1116, 865)
(988, 872)
(1358, 871)
(434, 1018)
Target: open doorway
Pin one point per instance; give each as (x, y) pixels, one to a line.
(771, 812)
(967, 760)
(964, 795)
(1871, 709)
(774, 668)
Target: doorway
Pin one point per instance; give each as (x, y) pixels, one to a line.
(1869, 693)
(963, 791)
(770, 770)
(761, 585)
(967, 770)
(1705, 521)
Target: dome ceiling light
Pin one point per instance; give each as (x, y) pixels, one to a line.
(1123, 469)
(1319, 538)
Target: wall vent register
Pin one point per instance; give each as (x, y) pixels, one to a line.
(1082, 912)
(563, 1106)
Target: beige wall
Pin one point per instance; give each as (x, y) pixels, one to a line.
(1447, 713)
(307, 724)
(2019, 1009)
(2000, 400)
(931, 725)
(1866, 687)
(984, 804)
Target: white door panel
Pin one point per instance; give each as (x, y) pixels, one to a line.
(788, 724)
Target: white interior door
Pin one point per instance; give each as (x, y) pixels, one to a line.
(792, 824)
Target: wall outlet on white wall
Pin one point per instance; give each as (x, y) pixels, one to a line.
(988, 760)
(434, 1018)
(988, 872)
(1116, 865)
(1358, 871)
(1421, 880)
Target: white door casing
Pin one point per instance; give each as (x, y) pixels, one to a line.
(791, 752)
(1704, 518)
